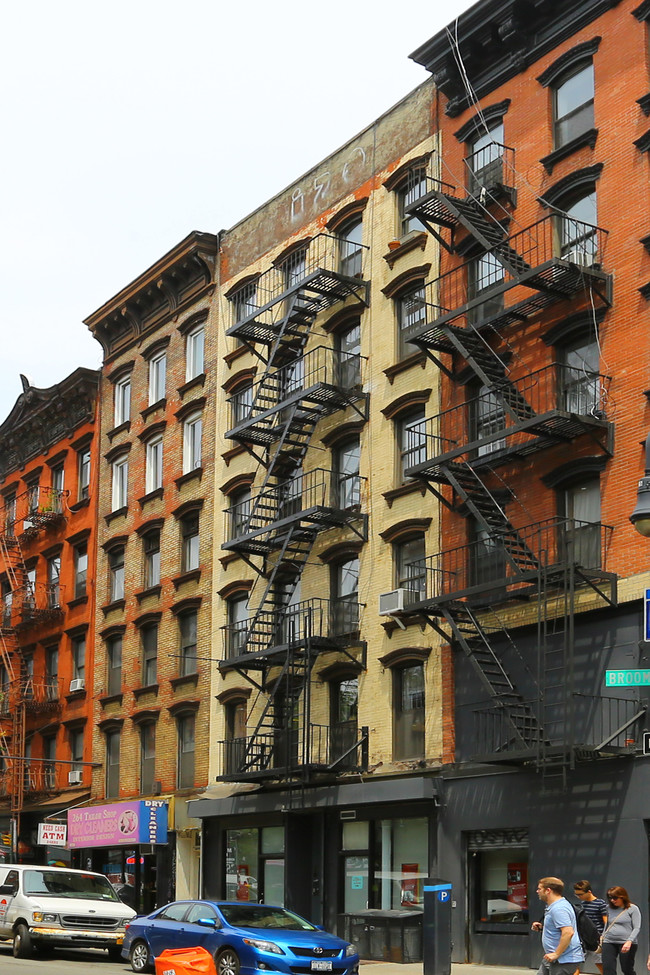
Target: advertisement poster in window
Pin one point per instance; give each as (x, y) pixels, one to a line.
(243, 885)
(410, 885)
(518, 884)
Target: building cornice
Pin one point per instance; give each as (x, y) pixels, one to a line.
(498, 39)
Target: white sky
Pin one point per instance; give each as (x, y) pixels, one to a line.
(126, 125)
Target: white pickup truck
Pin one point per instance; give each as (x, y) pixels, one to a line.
(49, 907)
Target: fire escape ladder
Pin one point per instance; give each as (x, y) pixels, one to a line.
(490, 515)
(489, 369)
(474, 639)
(557, 744)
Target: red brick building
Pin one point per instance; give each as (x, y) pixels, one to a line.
(48, 470)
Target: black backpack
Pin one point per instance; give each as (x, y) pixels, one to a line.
(587, 930)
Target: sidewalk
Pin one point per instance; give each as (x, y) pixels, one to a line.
(415, 968)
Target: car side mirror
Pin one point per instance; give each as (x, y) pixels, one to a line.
(208, 922)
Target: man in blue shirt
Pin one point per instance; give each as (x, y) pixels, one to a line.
(560, 941)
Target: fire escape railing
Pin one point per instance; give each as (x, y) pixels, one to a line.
(323, 262)
(539, 262)
(484, 566)
(342, 747)
(312, 621)
(514, 409)
(319, 494)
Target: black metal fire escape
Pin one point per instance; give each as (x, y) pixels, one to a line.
(457, 456)
(275, 529)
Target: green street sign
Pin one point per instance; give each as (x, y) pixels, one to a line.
(627, 678)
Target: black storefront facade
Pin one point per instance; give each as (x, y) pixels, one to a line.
(491, 828)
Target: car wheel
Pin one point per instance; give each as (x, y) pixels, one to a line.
(140, 957)
(227, 962)
(22, 946)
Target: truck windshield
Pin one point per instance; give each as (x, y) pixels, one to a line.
(61, 883)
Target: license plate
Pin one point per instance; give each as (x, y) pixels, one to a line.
(321, 966)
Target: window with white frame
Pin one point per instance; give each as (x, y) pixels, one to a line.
(192, 431)
(120, 482)
(116, 573)
(194, 352)
(190, 548)
(80, 569)
(410, 189)
(78, 648)
(151, 552)
(154, 464)
(412, 439)
(411, 306)
(244, 301)
(157, 377)
(83, 474)
(122, 401)
(573, 104)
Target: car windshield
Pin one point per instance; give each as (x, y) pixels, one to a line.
(259, 916)
(60, 883)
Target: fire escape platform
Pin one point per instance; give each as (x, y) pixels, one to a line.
(270, 536)
(542, 431)
(318, 291)
(263, 428)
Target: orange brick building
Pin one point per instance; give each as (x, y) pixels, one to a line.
(48, 469)
(538, 321)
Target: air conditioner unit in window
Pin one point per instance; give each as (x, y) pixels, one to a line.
(75, 777)
(580, 257)
(397, 601)
(78, 684)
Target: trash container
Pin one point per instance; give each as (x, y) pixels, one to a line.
(185, 961)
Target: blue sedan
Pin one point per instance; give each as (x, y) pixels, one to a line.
(243, 939)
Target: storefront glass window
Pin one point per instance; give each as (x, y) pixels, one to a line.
(355, 884)
(499, 879)
(402, 846)
(273, 841)
(274, 881)
(355, 836)
(242, 865)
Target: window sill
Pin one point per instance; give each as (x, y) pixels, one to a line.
(116, 604)
(192, 576)
(403, 491)
(105, 699)
(194, 383)
(121, 428)
(118, 513)
(83, 503)
(151, 591)
(139, 692)
(186, 680)
(416, 359)
(77, 601)
(587, 138)
(417, 238)
(151, 496)
(196, 474)
(158, 405)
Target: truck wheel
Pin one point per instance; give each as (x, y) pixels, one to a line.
(22, 947)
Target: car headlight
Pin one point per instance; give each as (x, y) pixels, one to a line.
(125, 921)
(39, 917)
(263, 945)
(350, 950)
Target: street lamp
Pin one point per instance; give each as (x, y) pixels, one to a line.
(640, 517)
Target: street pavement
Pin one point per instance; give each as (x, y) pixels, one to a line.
(415, 968)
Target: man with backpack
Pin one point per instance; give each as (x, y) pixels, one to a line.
(596, 910)
(562, 949)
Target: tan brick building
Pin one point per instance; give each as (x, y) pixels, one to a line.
(318, 700)
(154, 573)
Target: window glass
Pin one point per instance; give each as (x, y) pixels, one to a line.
(149, 640)
(499, 878)
(188, 625)
(147, 757)
(116, 574)
(83, 474)
(489, 418)
(154, 476)
(192, 430)
(402, 851)
(244, 302)
(79, 658)
(410, 566)
(345, 603)
(485, 161)
(151, 546)
(355, 835)
(348, 486)
(411, 313)
(122, 401)
(348, 345)
(580, 378)
(409, 712)
(574, 105)
(237, 629)
(578, 236)
(241, 402)
(413, 448)
(242, 864)
(120, 482)
(114, 653)
(195, 353)
(80, 570)
(157, 377)
(190, 542)
(582, 529)
(186, 726)
(112, 764)
(350, 251)
(414, 186)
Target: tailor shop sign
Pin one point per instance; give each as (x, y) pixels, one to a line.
(120, 824)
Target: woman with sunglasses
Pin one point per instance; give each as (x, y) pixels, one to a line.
(621, 933)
